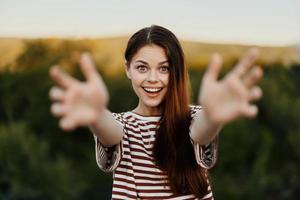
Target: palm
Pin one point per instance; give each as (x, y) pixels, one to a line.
(78, 103)
(230, 98)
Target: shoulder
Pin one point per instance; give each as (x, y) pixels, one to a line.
(194, 109)
(118, 116)
(122, 117)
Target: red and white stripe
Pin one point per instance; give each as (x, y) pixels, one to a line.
(135, 175)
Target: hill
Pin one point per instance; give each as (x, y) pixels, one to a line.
(108, 52)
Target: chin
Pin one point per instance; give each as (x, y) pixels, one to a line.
(153, 104)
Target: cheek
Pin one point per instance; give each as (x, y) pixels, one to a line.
(136, 88)
(165, 79)
(136, 81)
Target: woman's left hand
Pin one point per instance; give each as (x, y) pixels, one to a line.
(230, 98)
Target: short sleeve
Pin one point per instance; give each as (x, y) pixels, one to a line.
(206, 155)
(108, 158)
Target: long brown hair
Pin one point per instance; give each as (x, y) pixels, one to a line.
(173, 151)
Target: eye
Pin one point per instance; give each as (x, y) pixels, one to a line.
(164, 69)
(142, 68)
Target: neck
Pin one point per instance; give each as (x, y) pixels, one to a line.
(147, 111)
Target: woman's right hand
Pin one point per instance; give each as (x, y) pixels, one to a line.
(78, 103)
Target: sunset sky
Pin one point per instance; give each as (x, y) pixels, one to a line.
(266, 22)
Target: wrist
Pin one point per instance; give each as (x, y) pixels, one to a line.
(210, 119)
(98, 119)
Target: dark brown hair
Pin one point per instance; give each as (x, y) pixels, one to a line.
(173, 151)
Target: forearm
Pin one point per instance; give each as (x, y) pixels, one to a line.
(107, 129)
(203, 130)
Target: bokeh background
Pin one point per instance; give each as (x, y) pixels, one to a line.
(258, 159)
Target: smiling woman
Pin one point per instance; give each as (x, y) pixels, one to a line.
(148, 71)
(164, 147)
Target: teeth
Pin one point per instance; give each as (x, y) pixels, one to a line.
(152, 89)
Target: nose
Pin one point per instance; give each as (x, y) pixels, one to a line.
(152, 76)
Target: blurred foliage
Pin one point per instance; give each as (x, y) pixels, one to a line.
(258, 159)
(27, 171)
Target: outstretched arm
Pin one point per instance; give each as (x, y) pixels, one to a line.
(84, 103)
(225, 100)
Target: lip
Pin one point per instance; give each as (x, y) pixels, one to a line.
(152, 91)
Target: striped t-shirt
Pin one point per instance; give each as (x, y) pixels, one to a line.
(135, 175)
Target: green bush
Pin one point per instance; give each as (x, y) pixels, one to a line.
(26, 169)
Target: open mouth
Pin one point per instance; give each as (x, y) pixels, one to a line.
(152, 90)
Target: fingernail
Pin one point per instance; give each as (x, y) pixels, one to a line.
(254, 110)
(216, 57)
(51, 93)
(64, 124)
(85, 55)
(54, 93)
(54, 70)
(258, 92)
(55, 109)
(259, 72)
(255, 52)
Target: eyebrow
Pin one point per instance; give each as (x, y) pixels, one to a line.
(144, 62)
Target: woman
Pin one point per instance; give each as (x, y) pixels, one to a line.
(162, 148)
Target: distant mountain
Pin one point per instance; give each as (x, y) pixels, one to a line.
(108, 52)
(199, 53)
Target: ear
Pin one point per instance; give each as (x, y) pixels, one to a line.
(127, 70)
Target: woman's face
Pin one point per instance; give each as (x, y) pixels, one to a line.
(149, 74)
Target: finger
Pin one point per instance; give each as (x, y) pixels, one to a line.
(90, 72)
(214, 67)
(56, 94)
(67, 124)
(255, 93)
(87, 66)
(60, 77)
(249, 110)
(253, 76)
(58, 109)
(246, 61)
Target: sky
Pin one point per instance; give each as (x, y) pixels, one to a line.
(258, 22)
